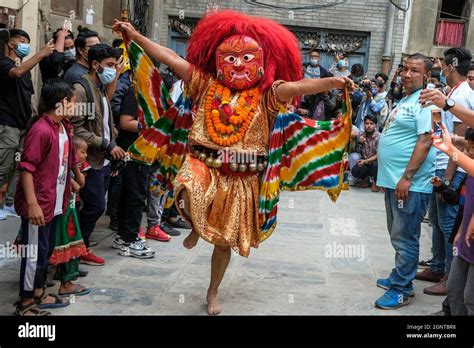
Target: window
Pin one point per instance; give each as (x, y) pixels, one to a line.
(112, 10)
(64, 7)
(452, 24)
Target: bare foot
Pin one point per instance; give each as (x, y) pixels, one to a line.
(213, 306)
(191, 240)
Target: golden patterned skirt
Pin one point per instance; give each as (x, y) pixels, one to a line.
(223, 208)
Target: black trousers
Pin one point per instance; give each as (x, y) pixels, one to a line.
(39, 243)
(363, 172)
(93, 197)
(132, 199)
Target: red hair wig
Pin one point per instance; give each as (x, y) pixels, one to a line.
(282, 57)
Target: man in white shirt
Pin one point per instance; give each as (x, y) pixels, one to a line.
(455, 68)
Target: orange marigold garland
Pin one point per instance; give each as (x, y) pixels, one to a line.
(233, 130)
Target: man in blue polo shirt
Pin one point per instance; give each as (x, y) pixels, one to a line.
(406, 166)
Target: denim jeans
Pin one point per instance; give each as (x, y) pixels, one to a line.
(442, 217)
(404, 226)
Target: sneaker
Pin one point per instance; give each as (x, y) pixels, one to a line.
(118, 243)
(93, 243)
(179, 223)
(10, 211)
(91, 259)
(3, 215)
(114, 225)
(165, 226)
(425, 263)
(138, 249)
(157, 233)
(384, 283)
(392, 299)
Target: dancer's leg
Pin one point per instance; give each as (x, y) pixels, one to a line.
(183, 200)
(219, 263)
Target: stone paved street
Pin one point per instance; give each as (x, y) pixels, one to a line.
(299, 270)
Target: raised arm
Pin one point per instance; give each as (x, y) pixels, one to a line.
(162, 54)
(436, 97)
(289, 90)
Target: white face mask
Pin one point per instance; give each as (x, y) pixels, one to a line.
(314, 61)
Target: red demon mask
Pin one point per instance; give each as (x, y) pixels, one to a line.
(239, 61)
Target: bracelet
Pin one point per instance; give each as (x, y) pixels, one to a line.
(455, 138)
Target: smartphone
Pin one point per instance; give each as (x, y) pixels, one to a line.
(436, 121)
(400, 66)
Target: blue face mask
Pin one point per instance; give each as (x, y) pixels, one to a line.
(70, 54)
(22, 50)
(341, 64)
(107, 75)
(374, 92)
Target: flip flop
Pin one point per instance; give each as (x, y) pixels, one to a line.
(79, 290)
(59, 303)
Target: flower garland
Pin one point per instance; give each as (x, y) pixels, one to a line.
(238, 121)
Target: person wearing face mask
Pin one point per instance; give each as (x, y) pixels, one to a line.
(454, 68)
(373, 103)
(316, 106)
(62, 58)
(84, 40)
(341, 68)
(16, 90)
(95, 124)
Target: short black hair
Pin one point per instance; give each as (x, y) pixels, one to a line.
(371, 118)
(469, 135)
(78, 141)
(100, 52)
(459, 58)
(357, 69)
(383, 76)
(84, 33)
(117, 43)
(19, 32)
(314, 50)
(53, 91)
(70, 35)
(426, 60)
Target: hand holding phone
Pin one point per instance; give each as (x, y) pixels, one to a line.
(436, 121)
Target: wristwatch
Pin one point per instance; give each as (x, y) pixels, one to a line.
(447, 182)
(448, 104)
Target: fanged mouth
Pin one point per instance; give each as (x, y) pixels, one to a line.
(239, 76)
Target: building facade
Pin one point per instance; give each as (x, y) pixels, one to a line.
(374, 33)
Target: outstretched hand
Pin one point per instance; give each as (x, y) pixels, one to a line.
(125, 29)
(341, 82)
(443, 143)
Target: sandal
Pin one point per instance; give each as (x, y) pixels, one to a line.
(58, 303)
(78, 290)
(22, 310)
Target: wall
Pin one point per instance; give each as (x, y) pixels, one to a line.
(355, 15)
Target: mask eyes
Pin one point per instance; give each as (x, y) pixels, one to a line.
(230, 59)
(248, 57)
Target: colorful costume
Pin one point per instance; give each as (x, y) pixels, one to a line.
(69, 244)
(242, 145)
